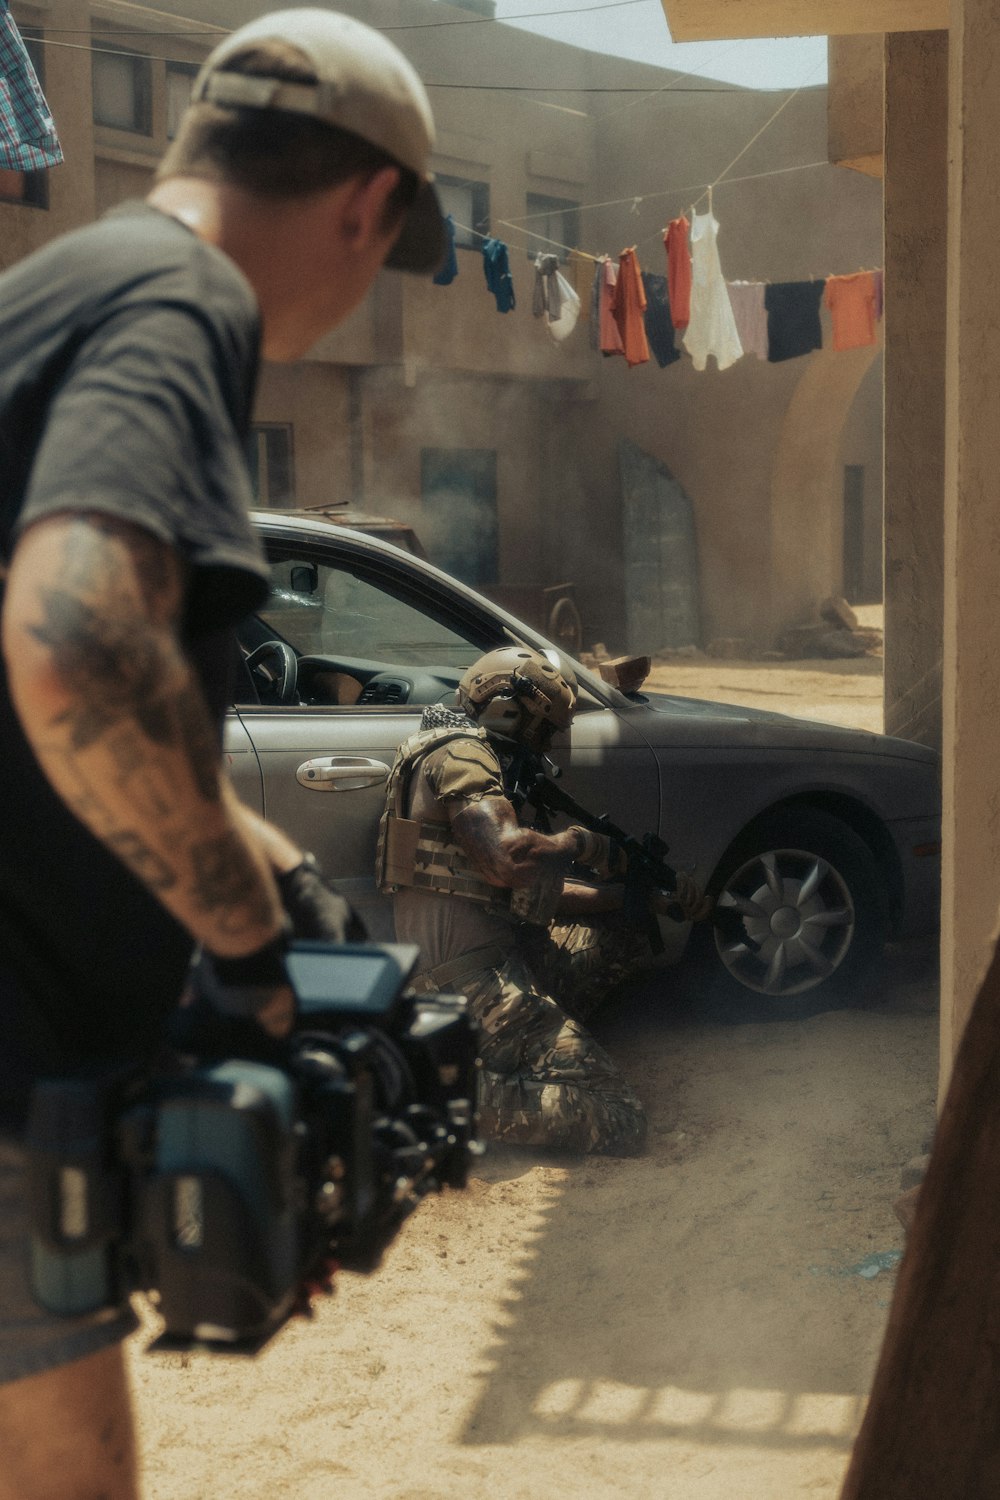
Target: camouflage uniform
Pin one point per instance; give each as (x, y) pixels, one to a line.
(544, 1080)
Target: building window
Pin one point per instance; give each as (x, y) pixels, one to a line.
(123, 89)
(458, 487)
(180, 80)
(469, 205)
(272, 468)
(553, 225)
(28, 188)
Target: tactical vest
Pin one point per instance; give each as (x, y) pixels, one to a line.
(423, 855)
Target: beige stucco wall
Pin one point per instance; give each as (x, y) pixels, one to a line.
(972, 518)
(916, 293)
(420, 365)
(855, 102)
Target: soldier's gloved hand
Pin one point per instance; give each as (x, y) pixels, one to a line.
(235, 1007)
(315, 908)
(599, 853)
(689, 896)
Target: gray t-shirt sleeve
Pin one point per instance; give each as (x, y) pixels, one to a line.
(143, 428)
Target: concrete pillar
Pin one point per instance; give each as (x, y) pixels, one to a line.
(916, 185)
(971, 886)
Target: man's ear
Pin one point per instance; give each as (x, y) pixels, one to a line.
(364, 218)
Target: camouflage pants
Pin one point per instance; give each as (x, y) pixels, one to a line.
(545, 1081)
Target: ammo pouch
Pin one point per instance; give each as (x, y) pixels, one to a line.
(422, 855)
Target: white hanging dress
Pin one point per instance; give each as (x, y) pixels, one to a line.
(712, 328)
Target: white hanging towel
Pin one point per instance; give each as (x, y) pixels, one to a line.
(712, 329)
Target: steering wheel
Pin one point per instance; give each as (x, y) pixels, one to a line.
(275, 670)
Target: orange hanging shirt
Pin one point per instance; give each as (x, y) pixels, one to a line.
(678, 248)
(851, 300)
(628, 306)
(609, 340)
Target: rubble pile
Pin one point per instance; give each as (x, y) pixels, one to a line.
(835, 634)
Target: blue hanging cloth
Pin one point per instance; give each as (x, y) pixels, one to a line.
(496, 267)
(28, 140)
(449, 270)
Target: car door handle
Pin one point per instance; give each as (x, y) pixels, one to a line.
(341, 773)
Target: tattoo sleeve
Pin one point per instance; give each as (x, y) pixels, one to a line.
(114, 712)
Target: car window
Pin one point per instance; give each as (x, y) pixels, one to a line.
(323, 610)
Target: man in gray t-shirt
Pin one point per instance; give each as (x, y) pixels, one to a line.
(127, 368)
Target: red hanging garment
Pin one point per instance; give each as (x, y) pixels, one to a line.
(675, 240)
(610, 338)
(628, 304)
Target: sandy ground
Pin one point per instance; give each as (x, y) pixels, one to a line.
(699, 1324)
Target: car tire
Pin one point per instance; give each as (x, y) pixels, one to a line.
(808, 890)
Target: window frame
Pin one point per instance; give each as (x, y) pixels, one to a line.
(141, 65)
(536, 204)
(470, 238)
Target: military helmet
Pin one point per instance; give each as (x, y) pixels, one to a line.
(518, 693)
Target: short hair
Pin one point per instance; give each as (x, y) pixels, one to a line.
(274, 153)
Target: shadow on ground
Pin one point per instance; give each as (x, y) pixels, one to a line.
(730, 1286)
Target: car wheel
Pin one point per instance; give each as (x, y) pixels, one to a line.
(802, 911)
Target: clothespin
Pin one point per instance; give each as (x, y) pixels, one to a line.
(710, 197)
(635, 205)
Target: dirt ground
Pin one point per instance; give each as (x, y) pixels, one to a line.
(698, 1324)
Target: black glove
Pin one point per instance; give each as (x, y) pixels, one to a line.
(217, 1014)
(315, 908)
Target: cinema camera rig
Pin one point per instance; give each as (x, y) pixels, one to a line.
(223, 1188)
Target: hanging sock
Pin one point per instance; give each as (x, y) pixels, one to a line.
(852, 302)
(449, 270)
(677, 246)
(747, 301)
(496, 267)
(28, 139)
(610, 339)
(658, 322)
(712, 327)
(628, 304)
(547, 298)
(793, 326)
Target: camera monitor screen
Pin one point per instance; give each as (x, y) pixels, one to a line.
(349, 976)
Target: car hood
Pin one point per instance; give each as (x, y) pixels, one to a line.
(699, 721)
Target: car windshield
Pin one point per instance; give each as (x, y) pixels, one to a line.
(323, 610)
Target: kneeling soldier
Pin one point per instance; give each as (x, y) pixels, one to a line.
(478, 892)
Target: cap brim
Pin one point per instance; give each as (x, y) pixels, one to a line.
(422, 243)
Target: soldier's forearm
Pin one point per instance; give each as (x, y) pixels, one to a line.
(579, 900)
(503, 852)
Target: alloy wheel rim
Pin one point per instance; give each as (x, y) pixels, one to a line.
(797, 908)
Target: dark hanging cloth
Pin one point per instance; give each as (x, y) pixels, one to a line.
(659, 324)
(449, 270)
(793, 325)
(28, 140)
(547, 298)
(496, 267)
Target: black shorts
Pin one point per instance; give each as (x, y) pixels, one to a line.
(31, 1339)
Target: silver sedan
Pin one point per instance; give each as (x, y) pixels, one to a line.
(817, 843)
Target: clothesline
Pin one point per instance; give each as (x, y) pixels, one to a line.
(637, 313)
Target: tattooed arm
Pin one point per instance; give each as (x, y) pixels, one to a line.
(504, 853)
(115, 715)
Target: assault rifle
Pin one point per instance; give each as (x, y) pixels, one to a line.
(529, 779)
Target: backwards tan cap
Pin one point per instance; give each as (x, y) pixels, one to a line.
(365, 85)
